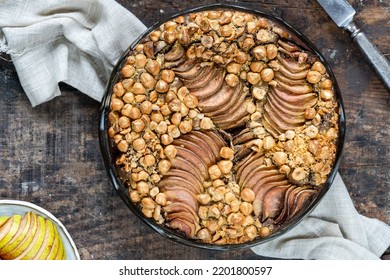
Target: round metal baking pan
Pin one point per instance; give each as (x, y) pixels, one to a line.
(123, 191)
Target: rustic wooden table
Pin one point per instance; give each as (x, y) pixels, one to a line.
(49, 155)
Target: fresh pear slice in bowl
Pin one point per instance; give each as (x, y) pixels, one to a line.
(25, 243)
(37, 241)
(3, 220)
(19, 236)
(56, 247)
(48, 242)
(11, 231)
(61, 252)
(34, 240)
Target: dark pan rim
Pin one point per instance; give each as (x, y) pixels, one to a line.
(123, 191)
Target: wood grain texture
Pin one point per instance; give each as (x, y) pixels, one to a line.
(50, 154)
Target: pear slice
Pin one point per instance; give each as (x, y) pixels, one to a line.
(48, 242)
(56, 245)
(25, 242)
(5, 228)
(61, 250)
(12, 230)
(36, 243)
(3, 219)
(19, 236)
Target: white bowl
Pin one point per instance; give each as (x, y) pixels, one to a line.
(11, 207)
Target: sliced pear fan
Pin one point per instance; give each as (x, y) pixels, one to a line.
(28, 237)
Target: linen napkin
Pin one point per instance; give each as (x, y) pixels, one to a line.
(71, 41)
(79, 42)
(334, 230)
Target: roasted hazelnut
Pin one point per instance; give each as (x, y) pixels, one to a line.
(143, 188)
(319, 67)
(173, 131)
(298, 174)
(214, 172)
(139, 144)
(128, 83)
(331, 133)
(226, 30)
(313, 77)
(272, 51)
(267, 74)
(123, 146)
(124, 122)
(161, 128)
(153, 67)
(140, 61)
(176, 118)
(233, 67)
(258, 92)
(156, 117)
(248, 43)
(190, 101)
(137, 125)
(310, 113)
(203, 198)
(146, 107)
(185, 127)
(162, 86)
(226, 153)
(148, 202)
(170, 151)
(161, 199)
(164, 166)
(147, 80)
(175, 105)
(116, 104)
(259, 52)
(268, 142)
(134, 196)
(149, 160)
(166, 139)
(246, 208)
(326, 94)
(168, 75)
(264, 232)
(327, 84)
(155, 35)
(203, 234)
(253, 78)
(247, 195)
(118, 89)
(241, 57)
(128, 71)
(232, 80)
(311, 131)
(138, 88)
(128, 97)
(256, 66)
(280, 158)
(225, 166)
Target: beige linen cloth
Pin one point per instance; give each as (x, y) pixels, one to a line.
(79, 42)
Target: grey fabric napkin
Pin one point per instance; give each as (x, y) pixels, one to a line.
(71, 41)
(78, 42)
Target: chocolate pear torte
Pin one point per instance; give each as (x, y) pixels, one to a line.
(224, 127)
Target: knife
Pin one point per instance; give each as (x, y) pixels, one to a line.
(342, 14)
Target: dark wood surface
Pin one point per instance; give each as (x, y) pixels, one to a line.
(49, 155)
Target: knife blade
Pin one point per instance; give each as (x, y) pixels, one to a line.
(342, 13)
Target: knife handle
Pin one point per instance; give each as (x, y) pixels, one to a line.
(377, 60)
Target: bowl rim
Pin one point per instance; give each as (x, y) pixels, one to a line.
(45, 213)
(172, 234)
